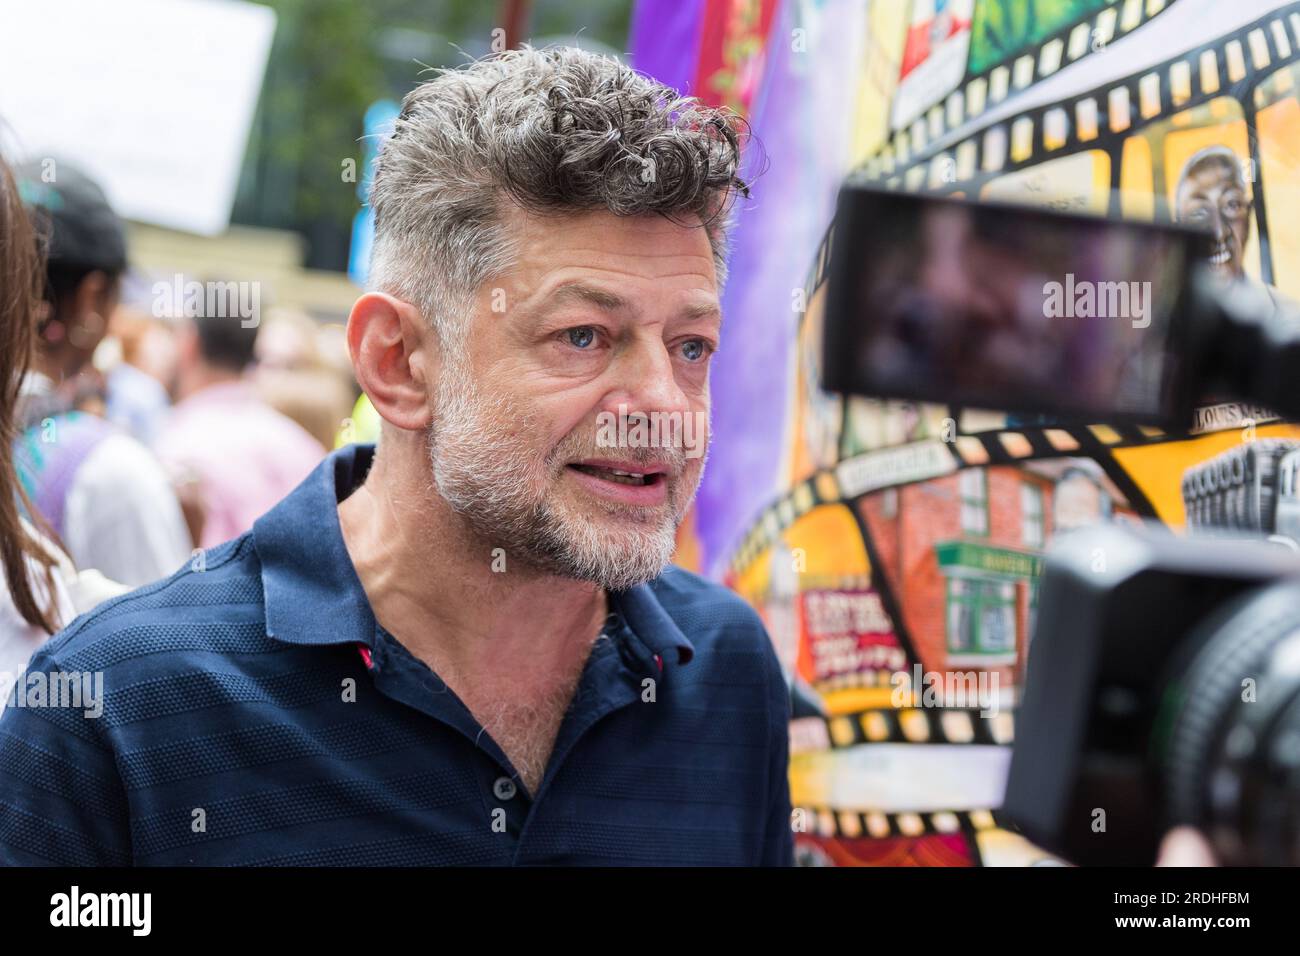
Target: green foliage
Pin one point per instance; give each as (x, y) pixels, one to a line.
(331, 59)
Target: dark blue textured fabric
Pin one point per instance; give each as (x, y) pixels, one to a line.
(226, 739)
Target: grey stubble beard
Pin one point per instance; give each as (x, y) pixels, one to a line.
(501, 495)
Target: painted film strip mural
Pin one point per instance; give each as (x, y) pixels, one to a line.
(1107, 140)
(1060, 34)
(908, 539)
(829, 837)
(853, 824)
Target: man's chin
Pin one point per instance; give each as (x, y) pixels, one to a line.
(614, 551)
(613, 572)
(612, 580)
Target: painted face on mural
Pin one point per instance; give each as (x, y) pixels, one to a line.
(1212, 195)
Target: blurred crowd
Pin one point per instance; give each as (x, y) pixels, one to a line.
(146, 423)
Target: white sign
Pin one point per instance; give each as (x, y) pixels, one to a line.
(894, 466)
(151, 98)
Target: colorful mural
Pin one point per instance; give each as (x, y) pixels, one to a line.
(893, 548)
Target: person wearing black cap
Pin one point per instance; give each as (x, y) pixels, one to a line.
(85, 260)
(40, 589)
(104, 493)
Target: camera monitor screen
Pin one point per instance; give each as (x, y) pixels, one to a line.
(1007, 307)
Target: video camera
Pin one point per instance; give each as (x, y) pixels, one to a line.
(1163, 679)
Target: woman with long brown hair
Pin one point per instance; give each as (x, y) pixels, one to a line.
(27, 563)
(42, 590)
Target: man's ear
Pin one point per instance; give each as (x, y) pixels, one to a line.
(394, 357)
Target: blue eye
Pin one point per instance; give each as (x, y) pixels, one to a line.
(693, 350)
(581, 337)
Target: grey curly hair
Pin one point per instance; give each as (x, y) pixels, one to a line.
(557, 130)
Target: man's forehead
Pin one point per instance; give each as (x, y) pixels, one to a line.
(1211, 177)
(606, 235)
(601, 257)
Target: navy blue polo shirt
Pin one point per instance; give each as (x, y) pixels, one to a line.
(255, 713)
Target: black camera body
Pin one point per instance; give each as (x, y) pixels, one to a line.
(1022, 309)
(1154, 659)
(1163, 677)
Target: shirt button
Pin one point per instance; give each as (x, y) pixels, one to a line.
(504, 788)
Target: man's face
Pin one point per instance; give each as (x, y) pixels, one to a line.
(601, 319)
(1214, 197)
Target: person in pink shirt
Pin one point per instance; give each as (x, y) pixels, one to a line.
(230, 454)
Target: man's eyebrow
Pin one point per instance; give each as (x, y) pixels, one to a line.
(578, 292)
(703, 310)
(613, 302)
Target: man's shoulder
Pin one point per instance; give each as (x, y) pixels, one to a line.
(677, 587)
(214, 601)
(732, 646)
(708, 611)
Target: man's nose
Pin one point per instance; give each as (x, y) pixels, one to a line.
(649, 380)
(1219, 224)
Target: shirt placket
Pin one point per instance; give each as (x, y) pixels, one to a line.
(398, 675)
(611, 681)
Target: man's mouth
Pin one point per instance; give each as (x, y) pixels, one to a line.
(1221, 255)
(619, 474)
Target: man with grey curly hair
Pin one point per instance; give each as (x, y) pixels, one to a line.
(466, 644)
(485, 169)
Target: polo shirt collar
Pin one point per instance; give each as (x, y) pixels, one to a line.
(313, 594)
(651, 624)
